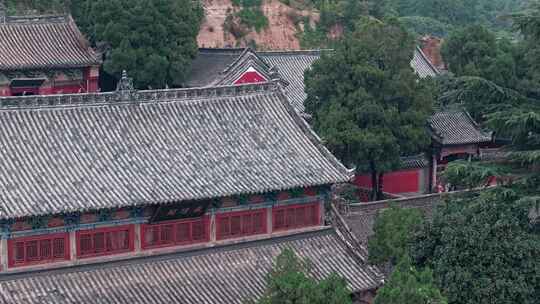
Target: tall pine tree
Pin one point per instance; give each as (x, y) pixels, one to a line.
(366, 101)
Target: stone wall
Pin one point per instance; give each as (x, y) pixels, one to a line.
(361, 217)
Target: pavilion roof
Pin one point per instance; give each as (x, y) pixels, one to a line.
(43, 42)
(456, 128)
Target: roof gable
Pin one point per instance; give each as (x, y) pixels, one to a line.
(456, 128)
(89, 151)
(422, 66)
(43, 42)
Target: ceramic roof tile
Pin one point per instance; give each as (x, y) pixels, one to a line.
(233, 274)
(456, 128)
(43, 42)
(216, 66)
(422, 65)
(66, 153)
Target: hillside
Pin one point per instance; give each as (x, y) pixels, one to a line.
(223, 26)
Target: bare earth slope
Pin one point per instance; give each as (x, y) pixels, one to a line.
(281, 33)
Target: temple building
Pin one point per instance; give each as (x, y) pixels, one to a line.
(455, 135)
(244, 65)
(43, 55)
(164, 196)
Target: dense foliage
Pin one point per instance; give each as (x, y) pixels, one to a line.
(290, 282)
(366, 101)
(483, 249)
(514, 114)
(409, 285)
(421, 17)
(392, 234)
(250, 14)
(154, 40)
(389, 248)
(475, 51)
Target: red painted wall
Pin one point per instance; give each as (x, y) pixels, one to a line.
(250, 77)
(5, 91)
(394, 182)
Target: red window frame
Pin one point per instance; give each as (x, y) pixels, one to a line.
(296, 216)
(239, 224)
(175, 233)
(104, 241)
(48, 248)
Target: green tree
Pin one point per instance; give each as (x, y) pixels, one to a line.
(455, 12)
(408, 285)
(154, 40)
(483, 249)
(478, 95)
(289, 282)
(527, 23)
(367, 103)
(476, 51)
(393, 231)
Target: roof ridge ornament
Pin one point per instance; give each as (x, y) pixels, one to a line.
(125, 88)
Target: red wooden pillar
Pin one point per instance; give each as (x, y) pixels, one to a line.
(91, 78)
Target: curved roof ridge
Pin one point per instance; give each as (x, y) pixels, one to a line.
(32, 19)
(295, 52)
(246, 54)
(122, 97)
(44, 42)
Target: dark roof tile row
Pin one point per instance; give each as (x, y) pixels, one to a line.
(233, 274)
(43, 42)
(456, 128)
(92, 151)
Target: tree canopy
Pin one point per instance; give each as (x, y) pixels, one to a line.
(290, 282)
(475, 51)
(154, 40)
(408, 285)
(392, 233)
(366, 101)
(482, 249)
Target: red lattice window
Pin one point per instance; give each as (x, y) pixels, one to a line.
(237, 224)
(174, 233)
(296, 216)
(39, 249)
(105, 241)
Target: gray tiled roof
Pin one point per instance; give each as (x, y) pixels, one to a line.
(422, 65)
(291, 65)
(90, 151)
(214, 66)
(456, 128)
(220, 275)
(209, 64)
(43, 42)
(248, 59)
(414, 162)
